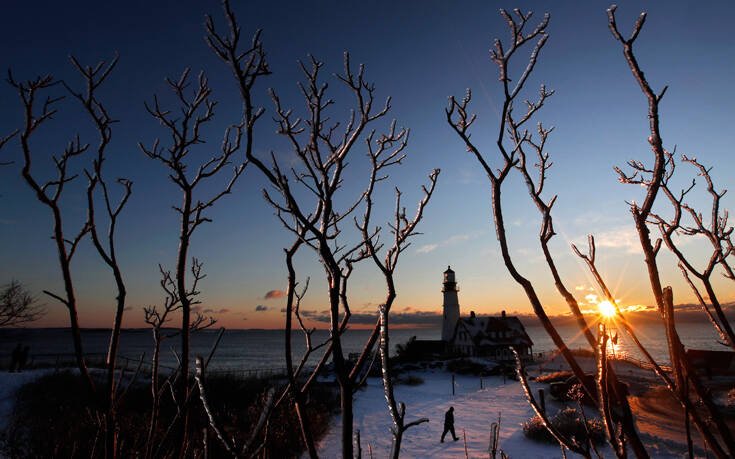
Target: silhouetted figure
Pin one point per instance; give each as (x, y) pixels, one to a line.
(15, 358)
(23, 358)
(449, 424)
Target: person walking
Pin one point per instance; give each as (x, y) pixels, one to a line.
(15, 357)
(23, 358)
(449, 424)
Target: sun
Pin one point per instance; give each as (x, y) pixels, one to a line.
(607, 309)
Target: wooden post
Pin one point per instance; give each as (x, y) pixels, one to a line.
(543, 401)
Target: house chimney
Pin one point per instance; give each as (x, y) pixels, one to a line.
(472, 314)
(502, 314)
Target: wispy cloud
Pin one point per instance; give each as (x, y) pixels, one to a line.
(260, 307)
(274, 294)
(622, 237)
(451, 240)
(457, 238)
(468, 175)
(427, 248)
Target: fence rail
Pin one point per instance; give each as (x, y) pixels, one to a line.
(617, 356)
(98, 360)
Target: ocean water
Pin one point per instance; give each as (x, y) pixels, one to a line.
(264, 349)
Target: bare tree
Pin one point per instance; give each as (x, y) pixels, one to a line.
(18, 306)
(3, 141)
(196, 109)
(158, 318)
(619, 422)
(93, 78)
(382, 155)
(50, 192)
(653, 179)
(513, 139)
(322, 148)
(717, 233)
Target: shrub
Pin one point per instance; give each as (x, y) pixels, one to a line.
(466, 366)
(55, 416)
(554, 377)
(410, 380)
(569, 423)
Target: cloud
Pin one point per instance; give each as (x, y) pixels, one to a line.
(223, 311)
(451, 240)
(260, 307)
(468, 175)
(580, 287)
(427, 248)
(128, 308)
(637, 313)
(457, 238)
(244, 318)
(208, 310)
(274, 294)
(623, 237)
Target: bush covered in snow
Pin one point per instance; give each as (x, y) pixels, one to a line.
(554, 377)
(569, 422)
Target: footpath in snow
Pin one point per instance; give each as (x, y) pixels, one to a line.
(475, 410)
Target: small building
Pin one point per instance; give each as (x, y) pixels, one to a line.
(488, 336)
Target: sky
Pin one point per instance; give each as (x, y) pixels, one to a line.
(419, 53)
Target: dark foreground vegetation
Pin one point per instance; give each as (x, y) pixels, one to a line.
(54, 417)
(569, 422)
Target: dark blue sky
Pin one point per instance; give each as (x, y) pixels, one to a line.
(417, 52)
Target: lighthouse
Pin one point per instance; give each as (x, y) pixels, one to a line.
(451, 305)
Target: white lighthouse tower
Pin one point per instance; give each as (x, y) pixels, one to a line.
(451, 305)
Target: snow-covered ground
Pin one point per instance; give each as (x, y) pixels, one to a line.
(9, 384)
(475, 410)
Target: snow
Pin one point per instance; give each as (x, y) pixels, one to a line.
(9, 384)
(475, 410)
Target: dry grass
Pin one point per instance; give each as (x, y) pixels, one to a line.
(55, 417)
(554, 377)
